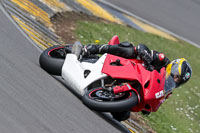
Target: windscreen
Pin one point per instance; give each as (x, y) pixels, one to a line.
(169, 85)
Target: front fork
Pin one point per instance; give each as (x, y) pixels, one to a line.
(120, 88)
(125, 87)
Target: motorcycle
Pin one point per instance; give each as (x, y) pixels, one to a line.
(98, 80)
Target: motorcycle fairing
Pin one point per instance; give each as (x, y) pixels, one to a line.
(153, 95)
(152, 91)
(73, 72)
(130, 69)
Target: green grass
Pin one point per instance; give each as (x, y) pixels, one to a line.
(181, 112)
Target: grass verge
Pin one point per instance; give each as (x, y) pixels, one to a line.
(180, 113)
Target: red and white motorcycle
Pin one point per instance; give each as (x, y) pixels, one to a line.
(98, 80)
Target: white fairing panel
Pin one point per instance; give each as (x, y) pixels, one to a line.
(73, 72)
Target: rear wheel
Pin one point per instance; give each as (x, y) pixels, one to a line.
(102, 100)
(52, 59)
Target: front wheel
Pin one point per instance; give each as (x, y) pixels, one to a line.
(102, 100)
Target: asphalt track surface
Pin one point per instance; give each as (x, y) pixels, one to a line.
(178, 16)
(32, 101)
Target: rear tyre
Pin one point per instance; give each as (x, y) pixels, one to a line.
(52, 59)
(103, 100)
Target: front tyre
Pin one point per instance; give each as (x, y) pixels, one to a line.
(103, 100)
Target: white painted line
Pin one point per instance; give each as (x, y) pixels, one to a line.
(147, 22)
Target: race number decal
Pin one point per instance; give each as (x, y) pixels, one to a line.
(159, 94)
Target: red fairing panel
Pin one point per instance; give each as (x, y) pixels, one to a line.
(130, 69)
(152, 91)
(114, 40)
